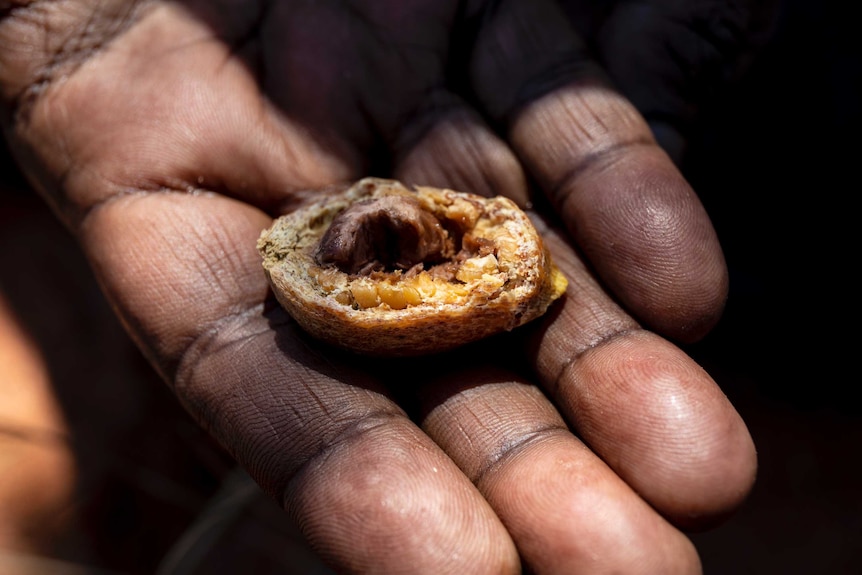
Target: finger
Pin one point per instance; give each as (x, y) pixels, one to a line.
(369, 490)
(646, 408)
(622, 199)
(355, 72)
(445, 143)
(400, 105)
(566, 510)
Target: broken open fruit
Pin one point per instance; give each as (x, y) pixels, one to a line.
(385, 270)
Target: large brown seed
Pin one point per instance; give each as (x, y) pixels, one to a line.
(390, 232)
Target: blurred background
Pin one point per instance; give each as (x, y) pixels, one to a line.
(775, 161)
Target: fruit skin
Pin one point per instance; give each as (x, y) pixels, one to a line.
(378, 314)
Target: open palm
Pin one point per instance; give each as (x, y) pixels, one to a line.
(167, 135)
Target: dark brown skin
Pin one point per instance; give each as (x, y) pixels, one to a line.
(118, 110)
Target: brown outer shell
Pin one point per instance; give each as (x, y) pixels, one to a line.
(288, 248)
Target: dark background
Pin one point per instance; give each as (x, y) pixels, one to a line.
(777, 165)
(775, 160)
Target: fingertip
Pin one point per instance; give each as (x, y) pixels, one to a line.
(651, 240)
(674, 436)
(589, 520)
(627, 206)
(388, 498)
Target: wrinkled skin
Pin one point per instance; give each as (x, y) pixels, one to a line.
(166, 135)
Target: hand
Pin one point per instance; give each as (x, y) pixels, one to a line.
(166, 135)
